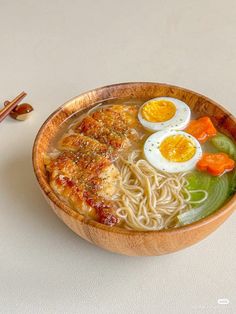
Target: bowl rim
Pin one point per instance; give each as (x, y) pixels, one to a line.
(226, 208)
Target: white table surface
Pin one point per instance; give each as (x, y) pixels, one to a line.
(55, 50)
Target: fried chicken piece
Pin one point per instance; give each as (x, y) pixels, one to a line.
(78, 177)
(103, 208)
(119, 118)
(81, 143)
(99, 131)
(112, 120)
(80, 166)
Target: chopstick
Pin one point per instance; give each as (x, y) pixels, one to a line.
(11, 105)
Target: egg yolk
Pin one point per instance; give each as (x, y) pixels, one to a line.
(177, 148)
(158, 111)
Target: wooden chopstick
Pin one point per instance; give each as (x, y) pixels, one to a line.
(11, 105)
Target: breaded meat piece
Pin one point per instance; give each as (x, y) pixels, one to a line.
(99, 131)
(81, 166)
(81, 143)
(78, 177)
(119, 118)
(112, 120)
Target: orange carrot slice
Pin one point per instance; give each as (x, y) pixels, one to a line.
(215, 164)
(201, 129)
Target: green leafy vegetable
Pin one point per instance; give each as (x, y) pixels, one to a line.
(217, 189)
(224, 144)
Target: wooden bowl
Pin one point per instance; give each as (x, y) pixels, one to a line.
(116, 239)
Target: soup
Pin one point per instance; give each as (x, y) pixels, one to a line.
(142, 166)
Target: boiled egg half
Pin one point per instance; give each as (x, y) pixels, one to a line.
(164, 113)
(172, 151)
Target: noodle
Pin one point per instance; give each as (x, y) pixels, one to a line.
(149, 199)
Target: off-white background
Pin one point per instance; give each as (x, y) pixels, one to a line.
(55, 50)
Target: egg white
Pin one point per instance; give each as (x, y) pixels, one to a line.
(157, 160)
(178, 122)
